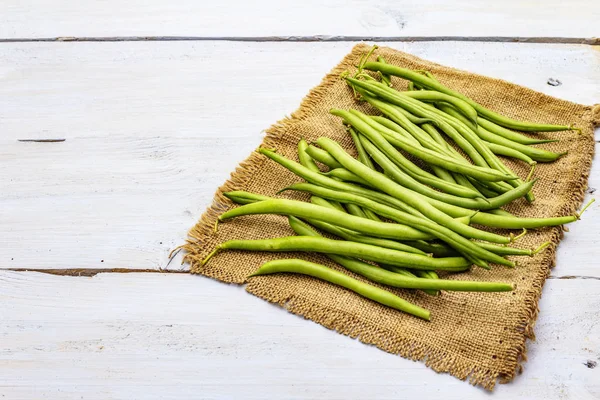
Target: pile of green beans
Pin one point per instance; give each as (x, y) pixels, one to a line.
(403, 208)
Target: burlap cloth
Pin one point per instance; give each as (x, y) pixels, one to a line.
(479, 336)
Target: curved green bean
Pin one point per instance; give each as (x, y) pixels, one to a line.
(337, 278)
(344, 175)
(434, 96)
(322, 156)
(304, 158)
(512, 135)
(344, 248)
(305, 210)
(509, 152)
(363, 157)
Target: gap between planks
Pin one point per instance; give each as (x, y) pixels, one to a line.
(90, 272)
(315, 38)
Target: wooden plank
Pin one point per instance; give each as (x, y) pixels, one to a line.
(153, 128)
(140, 336)
(300, 20)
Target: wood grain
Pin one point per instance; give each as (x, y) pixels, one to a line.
(152, 129)
(307, 20)
(123, 336)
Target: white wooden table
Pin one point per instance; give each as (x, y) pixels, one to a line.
(157, 101)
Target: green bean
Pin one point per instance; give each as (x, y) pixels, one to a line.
(363, 157)
(305, 159)
(337, 278)
(509, 152)
(536, 154)
(431, 157)
(391, 125)
(512, 251)
(434, 96)
(458, 121)
(390, 187)
(322, 156)
(382, 276)
(505, 222)
(488, 114)
(344, 248)
(384, 77)
(328, 203)
(410, 183)
(371, 215)
(462, 244)
(344, 175)
(511, 135)
(435, 249)
(355, 210)
(305, 210)
(500, 211)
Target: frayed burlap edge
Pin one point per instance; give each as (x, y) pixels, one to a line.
(347, 324)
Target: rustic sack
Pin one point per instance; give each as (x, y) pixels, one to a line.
(479, 336)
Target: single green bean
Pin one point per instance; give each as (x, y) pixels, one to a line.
(435, 96)
(501, 150)
(305, 210)
(322, 156)
(337, 278)
(344, 175)
(384, 77)
(304, 158)
(355, 210)
(363, 157)
(344, 248)
(511, 135)
(536, 154)
(488, 114)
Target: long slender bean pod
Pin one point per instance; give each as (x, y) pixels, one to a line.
(344, 248)
(363, 157)
(501, 150)
(511, 135)
(305, 210)
(435, 96)
(304, 158)
(337, 278)
(322, 156)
